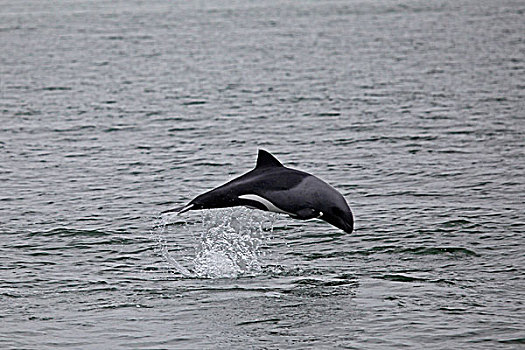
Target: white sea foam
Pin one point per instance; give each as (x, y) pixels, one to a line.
(226, 243)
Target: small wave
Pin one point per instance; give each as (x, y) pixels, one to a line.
(323, 285)
(402, 278)
(457, 223)
(193, 102)
(56, 88)
(69, 232)
(399, 277)
(267, 320)
(513, 341)
(440, 250)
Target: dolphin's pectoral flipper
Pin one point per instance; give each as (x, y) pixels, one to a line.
(306, 214)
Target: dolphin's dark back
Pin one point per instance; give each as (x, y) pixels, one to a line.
(262, 179)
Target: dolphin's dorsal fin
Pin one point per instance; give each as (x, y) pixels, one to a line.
(266, 160)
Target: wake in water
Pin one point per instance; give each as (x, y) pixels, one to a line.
(225, 243)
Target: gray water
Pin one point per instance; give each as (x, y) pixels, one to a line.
(112, 112)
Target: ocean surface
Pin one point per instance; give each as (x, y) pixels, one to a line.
(113, 111)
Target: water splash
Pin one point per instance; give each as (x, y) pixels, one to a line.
(158, 234)
(227, 243)
(231, 243)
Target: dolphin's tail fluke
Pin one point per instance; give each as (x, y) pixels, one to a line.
(179, 210)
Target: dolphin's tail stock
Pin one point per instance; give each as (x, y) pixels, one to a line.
(179, 210)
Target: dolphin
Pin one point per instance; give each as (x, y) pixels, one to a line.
(271, 186)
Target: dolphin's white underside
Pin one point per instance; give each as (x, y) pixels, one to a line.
(269, 205)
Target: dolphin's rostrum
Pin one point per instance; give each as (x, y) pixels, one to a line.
(270, 186)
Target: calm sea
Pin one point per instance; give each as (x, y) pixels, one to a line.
(113, 111)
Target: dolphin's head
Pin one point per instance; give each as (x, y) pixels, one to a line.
(334, 209)
(326, 201)
(340, 216)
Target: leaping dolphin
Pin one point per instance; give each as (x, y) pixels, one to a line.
(271, 186)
